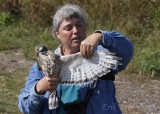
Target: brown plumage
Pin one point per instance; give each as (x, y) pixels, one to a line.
(74, 69)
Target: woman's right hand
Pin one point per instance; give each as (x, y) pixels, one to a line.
(47, 83)
(89, 44)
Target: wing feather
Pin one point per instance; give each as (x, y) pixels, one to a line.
(83, 70)
(74, 69)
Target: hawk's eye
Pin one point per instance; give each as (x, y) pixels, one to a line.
(42, 48)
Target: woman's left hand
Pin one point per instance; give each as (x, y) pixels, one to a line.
(89, 44)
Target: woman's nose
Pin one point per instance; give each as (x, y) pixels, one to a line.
(75, 30)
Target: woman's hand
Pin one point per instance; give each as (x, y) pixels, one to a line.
(89, 44)
(47, 83)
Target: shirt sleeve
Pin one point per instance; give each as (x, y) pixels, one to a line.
(120, 45)
(29, 102)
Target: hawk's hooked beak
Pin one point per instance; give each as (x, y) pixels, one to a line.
(41, 49)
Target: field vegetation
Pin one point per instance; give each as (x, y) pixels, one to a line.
(25, 24)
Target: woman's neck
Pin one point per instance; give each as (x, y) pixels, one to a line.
(66, 51)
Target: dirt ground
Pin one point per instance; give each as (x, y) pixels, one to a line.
(135, 96)
(140, 96)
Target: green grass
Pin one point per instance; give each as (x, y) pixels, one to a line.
(146, 60)
(11, 84)
(32, 26)
(22, 36)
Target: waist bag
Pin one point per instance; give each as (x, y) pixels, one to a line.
(73, 94)
(74, 98)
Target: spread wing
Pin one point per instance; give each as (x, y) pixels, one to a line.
(76, 70)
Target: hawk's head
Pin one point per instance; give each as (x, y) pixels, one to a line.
(47, 61)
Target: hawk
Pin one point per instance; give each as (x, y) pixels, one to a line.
(73, 68)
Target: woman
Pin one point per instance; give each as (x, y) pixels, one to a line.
(69, 26)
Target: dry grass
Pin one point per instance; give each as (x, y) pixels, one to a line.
(137, 19)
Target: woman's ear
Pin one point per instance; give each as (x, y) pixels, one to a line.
(57, 34)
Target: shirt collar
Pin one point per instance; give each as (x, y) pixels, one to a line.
(58, 50)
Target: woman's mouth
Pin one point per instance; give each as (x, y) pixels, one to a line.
(77, 38)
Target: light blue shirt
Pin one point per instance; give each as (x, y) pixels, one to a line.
(102, 101)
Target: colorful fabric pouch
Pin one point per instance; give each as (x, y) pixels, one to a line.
(70, 94)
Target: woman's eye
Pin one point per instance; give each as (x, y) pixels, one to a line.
(67, 28)
(80, 25)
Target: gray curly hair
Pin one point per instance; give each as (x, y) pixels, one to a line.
(66, 12)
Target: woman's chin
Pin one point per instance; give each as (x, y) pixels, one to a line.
(76, 44)
(76, 47)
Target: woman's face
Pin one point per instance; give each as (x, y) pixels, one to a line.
(71, 33)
